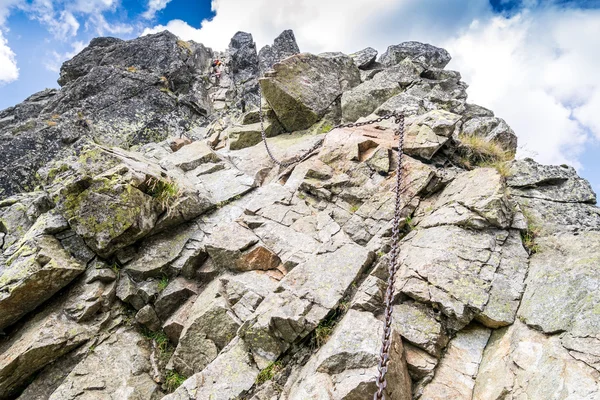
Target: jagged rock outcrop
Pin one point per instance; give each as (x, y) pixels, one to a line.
(116, 92)
(196, 268)
(283, 47)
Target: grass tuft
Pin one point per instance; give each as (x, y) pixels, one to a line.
(476, 151)
(173, 380)
(531, 233)
(268, 373)
(185, 46)
(165, 191)
(163, 283)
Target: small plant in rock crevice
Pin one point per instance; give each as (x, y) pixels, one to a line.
(529, 235)
(163, 283)
(477, 151)
(410, 223)
(268, 373)
(173, 380)
(165, 191)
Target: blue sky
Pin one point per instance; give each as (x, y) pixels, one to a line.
(533, 62)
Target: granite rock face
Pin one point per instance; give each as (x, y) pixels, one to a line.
(187, 265)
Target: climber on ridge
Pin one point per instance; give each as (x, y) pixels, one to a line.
(216, 71)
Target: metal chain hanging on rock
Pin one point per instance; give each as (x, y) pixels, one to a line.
(384, 355)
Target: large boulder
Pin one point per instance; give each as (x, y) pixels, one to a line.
(38, 269)
(130, 198)
(426, 54)
(492, 129)
(429, 132)
(209, 328)
(364, 58)
(303, 87)
(366, 97)
(118, 92)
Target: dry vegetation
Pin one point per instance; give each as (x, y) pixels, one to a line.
(476, 151)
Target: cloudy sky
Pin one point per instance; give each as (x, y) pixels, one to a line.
(533, 62)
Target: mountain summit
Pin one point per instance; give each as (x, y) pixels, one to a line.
(150, 247)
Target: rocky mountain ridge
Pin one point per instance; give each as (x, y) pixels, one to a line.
(150, 248)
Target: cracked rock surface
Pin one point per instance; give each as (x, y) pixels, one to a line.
(145, 265)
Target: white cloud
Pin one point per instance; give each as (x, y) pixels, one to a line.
(8, 65)
(331, 25)
(55, 59)
(153, 7)
(102, 26)
(537, 71)
(5, 6)
(92, 6)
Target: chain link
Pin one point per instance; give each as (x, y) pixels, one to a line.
(384, 355)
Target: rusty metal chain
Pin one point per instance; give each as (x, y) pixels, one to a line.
(384, 355)
(318, 143)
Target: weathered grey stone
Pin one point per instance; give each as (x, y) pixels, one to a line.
(226, 185)
(127, 292)
(429, 132)
(456, 373)
(364, 58)
(420, 363)
(529, 179)
(475, 199)
(176, 322)
(174, 295)
(305, 297)
(519, 361)
(565, 271)
(402, 103)
(465, 273)
(244, 292)
(153, 257)
(210, 327)
(345, 367)
(147, 317)
(302, 87)
(19, 213)
(117, 92)
(43, 340)
(366, 97)
(191, 156)
(115, 208)
(417, 324)
(119, 367)
(52, 376)
(36, 271)
(87, 298)
(550, 216)
(428, 55)
(370, 295)
(227, 244)
(75, 245)
(244, 136)
(226, 378)
(492, 129)
(283, 47)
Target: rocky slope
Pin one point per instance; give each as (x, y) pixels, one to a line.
(150, 249)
